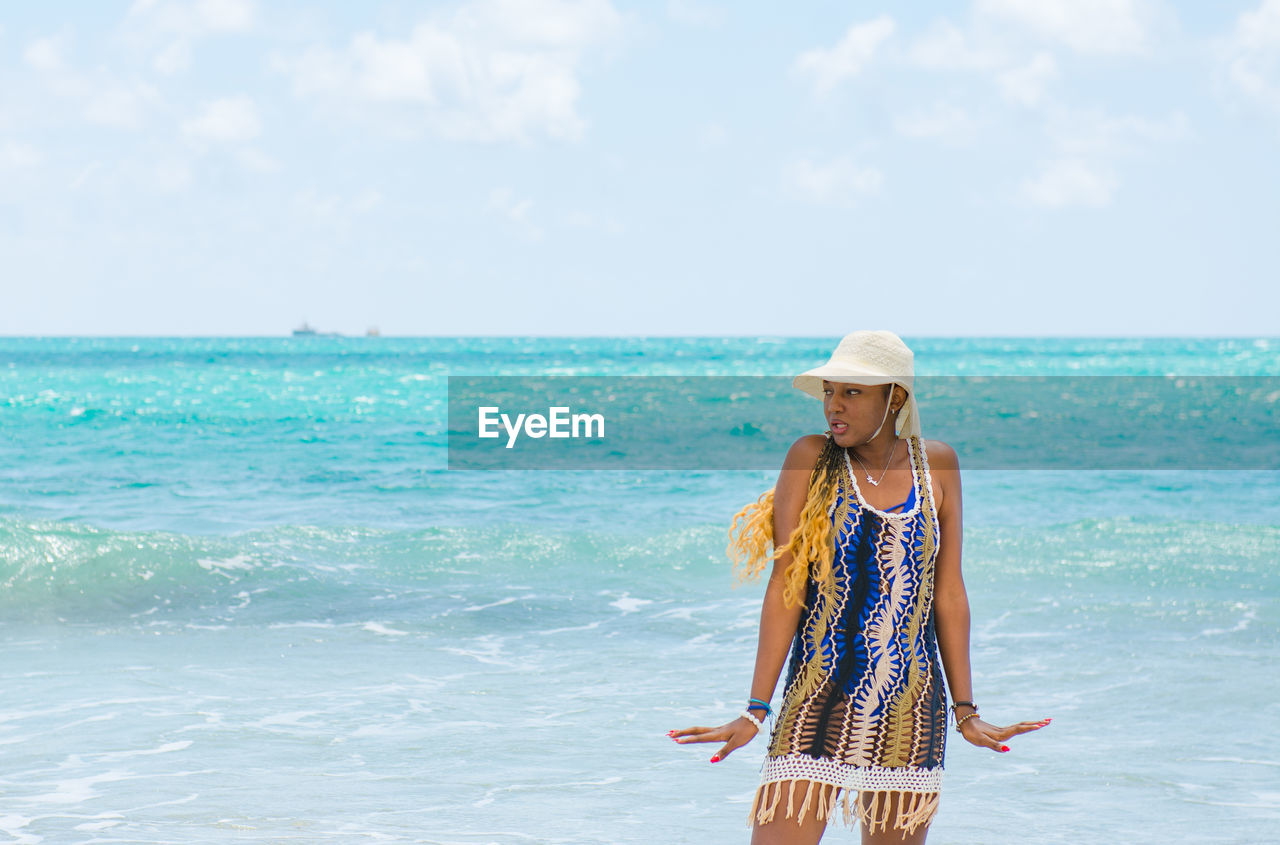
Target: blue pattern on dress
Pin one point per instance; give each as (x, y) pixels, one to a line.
(845, 645)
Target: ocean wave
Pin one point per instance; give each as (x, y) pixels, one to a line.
(63, 571)
(56, 570)
(524, 577)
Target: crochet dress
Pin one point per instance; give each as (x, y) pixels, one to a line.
(864, 707)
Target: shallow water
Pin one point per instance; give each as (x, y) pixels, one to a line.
(214, 632)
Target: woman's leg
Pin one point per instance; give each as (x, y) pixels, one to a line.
(781, 804)
(782, 831)
(881, 808)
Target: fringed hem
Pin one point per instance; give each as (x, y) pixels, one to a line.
(913, 808)
(858, 778)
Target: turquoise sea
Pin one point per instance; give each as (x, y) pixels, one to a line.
(243, 600)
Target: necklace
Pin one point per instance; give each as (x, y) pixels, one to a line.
(886, 464)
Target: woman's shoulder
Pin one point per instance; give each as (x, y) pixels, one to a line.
(941, 455)
(805, 451)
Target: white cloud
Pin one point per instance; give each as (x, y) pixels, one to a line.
(944, 121)
(335, 211)
(170, 27)
(1026, 84)
(224, 15)
(712, 135)
(324, 208)
(1089, 132)
(494, 70)
(592, 222)
(1260, 28)
(171, 176)
(828, 67)
(201, 17)
(1068, 182)
(230, 119)
(85, 174)
(1251, 79)
(45, 54)
(947, 47)
(1083, 146)
(99, 95)
(1251, 54)
(694, 14)
(366, 202)
(548, 24)
(256, 160)
(838, 181)
(1086, 143)
(174, 58)
(505, 203)
(1087, 26)
(119, 105)
(19, 156)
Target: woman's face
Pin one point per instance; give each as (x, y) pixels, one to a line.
(854, 411)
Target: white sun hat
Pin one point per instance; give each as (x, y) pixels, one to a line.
(870, 357)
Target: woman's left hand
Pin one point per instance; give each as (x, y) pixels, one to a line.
(985, 735)
(734, 735)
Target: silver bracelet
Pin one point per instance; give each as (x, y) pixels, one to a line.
(759, 724)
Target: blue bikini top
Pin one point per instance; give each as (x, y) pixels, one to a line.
(905, 506)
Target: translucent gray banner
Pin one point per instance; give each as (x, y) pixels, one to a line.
(749, 422)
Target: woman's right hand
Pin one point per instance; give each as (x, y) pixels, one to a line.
(734, 735)
(985, 735)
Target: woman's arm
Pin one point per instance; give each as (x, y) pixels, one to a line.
(951, 605)
(950, 601)
(778, 623)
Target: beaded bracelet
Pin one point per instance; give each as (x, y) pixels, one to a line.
(759, 724)
(965, 719)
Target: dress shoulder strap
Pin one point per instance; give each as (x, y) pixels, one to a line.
(927, 506)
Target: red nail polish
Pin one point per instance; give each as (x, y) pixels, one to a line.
(715, 759)
(1004, 748)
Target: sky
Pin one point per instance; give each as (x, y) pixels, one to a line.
(675, 167)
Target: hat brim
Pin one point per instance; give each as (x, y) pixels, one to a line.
(810, 382)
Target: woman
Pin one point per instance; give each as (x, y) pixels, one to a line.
(867, 597)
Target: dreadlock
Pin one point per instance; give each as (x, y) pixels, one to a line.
(812, 542)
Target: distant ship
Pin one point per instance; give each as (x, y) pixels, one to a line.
(305, 330)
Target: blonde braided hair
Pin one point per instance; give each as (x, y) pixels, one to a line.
(811, 543)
